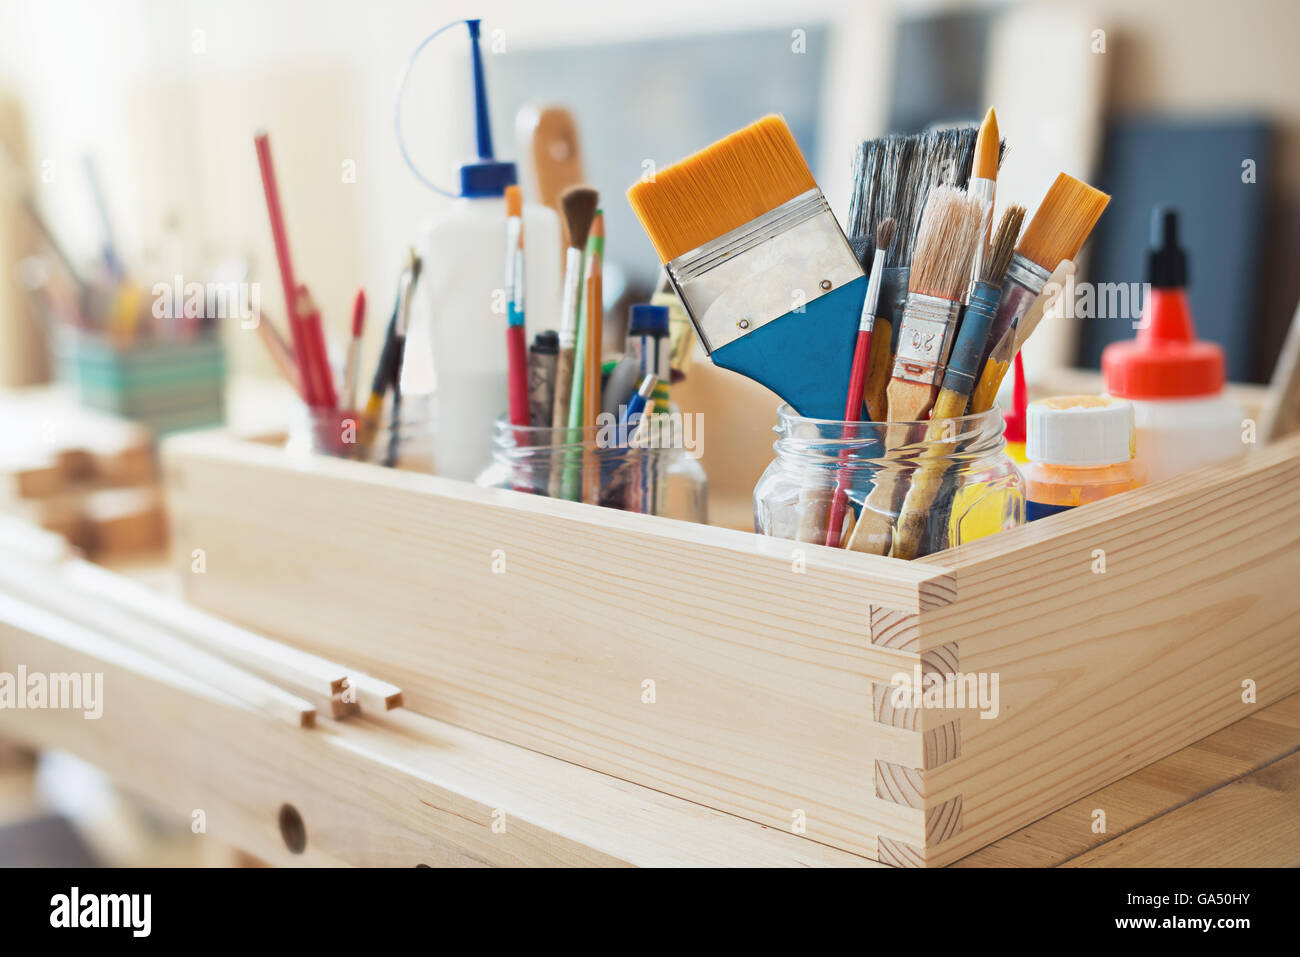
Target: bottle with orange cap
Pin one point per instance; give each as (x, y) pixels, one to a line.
(1174, 380)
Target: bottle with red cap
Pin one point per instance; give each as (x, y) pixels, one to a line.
(1174, 380)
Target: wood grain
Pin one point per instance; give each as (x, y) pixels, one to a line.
(399, 790)
(1146, 798)
(768, 718)
(1102, 673)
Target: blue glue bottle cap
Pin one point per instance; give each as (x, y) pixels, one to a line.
(648, 320)
(486, 176)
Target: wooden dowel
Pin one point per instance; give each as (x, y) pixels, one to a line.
(46, 589)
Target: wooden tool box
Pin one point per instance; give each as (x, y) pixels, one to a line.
(753, 675)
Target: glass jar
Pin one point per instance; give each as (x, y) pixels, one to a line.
(911, 488)
(322, 430)
(403, 440)
(654, 472)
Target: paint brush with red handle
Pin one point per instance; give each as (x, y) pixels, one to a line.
(858, 375)
(516, 344)
(352, 371)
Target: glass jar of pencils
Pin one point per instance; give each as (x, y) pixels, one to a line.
(905, 489)
(400, 437)
(323, 430)
(656, 470)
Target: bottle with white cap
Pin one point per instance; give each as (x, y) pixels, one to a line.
(1080, 449)
(1174, 380)
(456, 346)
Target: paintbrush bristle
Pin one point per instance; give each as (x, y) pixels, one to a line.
(987, 149)
(514, 201)
(721, 188)
(579, 205)
(1062, 223)
(885, 232)
(893, 175)
(951, 226)
(1002, 245)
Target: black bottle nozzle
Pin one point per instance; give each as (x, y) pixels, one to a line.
(1166, 259)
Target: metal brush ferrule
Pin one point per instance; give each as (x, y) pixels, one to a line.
(925, 338)
(963, 368)
(1028, 274)
(1023, 282)
(773, 265)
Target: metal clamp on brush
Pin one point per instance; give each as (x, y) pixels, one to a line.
(926, 339)
(776, 264)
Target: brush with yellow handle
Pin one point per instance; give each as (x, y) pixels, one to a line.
(1057, 231)
(390, 360)
(958, 380)
(945, 247)
(1004, 351)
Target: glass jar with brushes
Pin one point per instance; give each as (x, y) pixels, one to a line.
(907, 489)
(653, 471)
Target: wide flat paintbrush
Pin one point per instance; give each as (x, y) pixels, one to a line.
(1057, 231)
(939, 278)
(760, 263)
(958, 381)
(858, 377)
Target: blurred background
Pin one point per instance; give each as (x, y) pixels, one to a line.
(1189, 102)
(1161, 101)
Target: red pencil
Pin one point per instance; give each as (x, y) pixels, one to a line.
(317, 366)
(281, 238)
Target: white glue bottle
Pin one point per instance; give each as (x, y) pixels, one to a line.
(458, 312)
(1174, 380)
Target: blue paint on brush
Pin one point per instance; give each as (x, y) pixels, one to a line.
(805, 358)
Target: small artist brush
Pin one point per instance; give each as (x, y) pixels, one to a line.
(352, 371)
(958, 381)
(586, 353)
(400, 331)
(388, 369)
(1057, 231)
(579, 206)
(516, 343)
(858, 377)
(591, 406)
(750, 245)
(983, 186)
(939, 277)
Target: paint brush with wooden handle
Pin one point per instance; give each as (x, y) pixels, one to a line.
(579, 204)
(858, 377)
(1008, 347)
(983, 186)
(939, 277)
(1057, 231)
(958, 381)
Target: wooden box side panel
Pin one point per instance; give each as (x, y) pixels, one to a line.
(732, 676)
(1118, 641)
